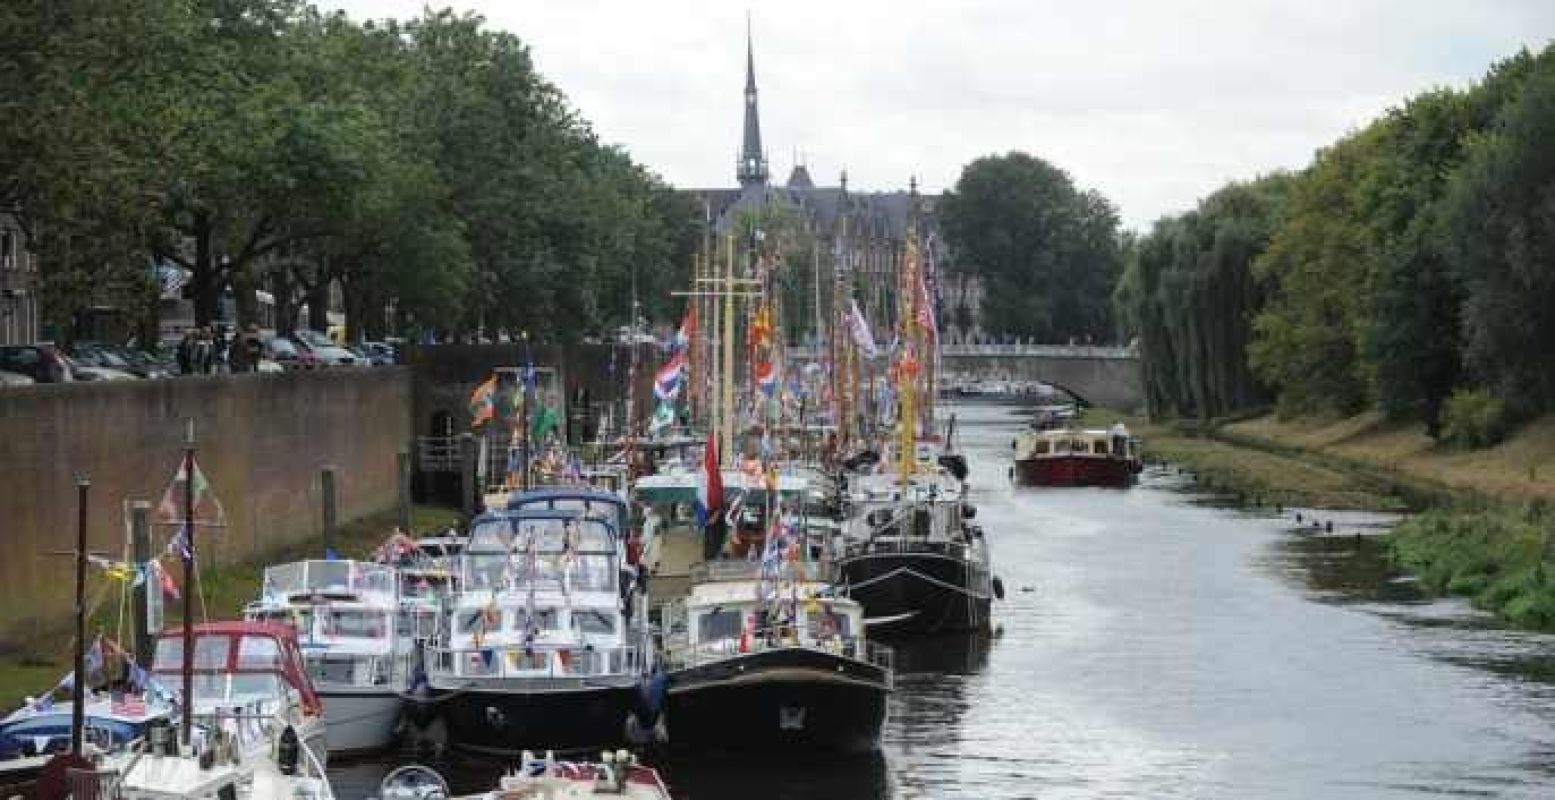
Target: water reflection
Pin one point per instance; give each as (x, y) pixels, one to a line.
(780, 776)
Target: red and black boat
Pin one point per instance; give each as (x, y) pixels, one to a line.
(1071, 457)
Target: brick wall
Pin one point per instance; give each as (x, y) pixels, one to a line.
(262, 440)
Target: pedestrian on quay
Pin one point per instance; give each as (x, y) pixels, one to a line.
(186, 353)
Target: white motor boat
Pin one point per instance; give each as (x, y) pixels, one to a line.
(347, 615)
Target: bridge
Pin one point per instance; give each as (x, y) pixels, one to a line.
(1104, 376)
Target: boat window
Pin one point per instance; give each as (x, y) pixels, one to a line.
(1042, 447)
(356, 624)
(210, 652)
(1099, 447)
(287, 578)
(826, 622)
(540, 619)
(254, 686)
(481, 619)
(329, 575)
(715, 625)
(596, 622)
(259, 652)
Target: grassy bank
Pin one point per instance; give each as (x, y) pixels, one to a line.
(1484, 527)
(1262, 475)
(1496, 558)
(226, 588)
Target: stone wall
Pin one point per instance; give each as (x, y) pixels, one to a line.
(262, 440)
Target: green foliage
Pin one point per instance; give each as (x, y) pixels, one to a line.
(1500, 218)
(425, 167)
(1048, 253)
(1189, 294)
(1474, 418)
(1495, 558)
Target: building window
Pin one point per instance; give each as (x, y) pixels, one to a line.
(7, 250)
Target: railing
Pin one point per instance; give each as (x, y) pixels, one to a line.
(438, 454)
(778, 638)
(740, 570)
(548, 661)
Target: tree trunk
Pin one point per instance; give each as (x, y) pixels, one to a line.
(204, 283)
(318, 306)
(245, 295)
(285, 303)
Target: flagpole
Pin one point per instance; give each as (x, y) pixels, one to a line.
(726, 405)
(187, 717)
(78, 687)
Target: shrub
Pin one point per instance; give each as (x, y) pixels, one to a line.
(1474, 418)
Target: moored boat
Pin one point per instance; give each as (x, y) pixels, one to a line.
(546, 643)
(1077, 457)
(772, 661)
(346, 615)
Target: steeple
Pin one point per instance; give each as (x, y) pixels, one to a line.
(752, 167)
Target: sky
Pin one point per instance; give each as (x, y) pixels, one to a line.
(1155, 103)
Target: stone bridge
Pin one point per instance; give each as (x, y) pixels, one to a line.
(1104, 376)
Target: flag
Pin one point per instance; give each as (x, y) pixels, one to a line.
(767, 377)
(545, 421)
(663, 417)
(207, 507)
(129, 705)
(94, 658)
(169, 586)
(710, 490)
(761, 327)
(859, 327)
(687, 331)
(178, 545)
(483, 402)
(926, 310)
(667, 383)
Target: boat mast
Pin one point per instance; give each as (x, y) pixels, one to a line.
(186, 722)
(78, 687)
(727, 374)
(907, 364)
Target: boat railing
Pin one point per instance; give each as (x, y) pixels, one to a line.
(877, 545)
(730, 570)
(521, 661)
(778, 638)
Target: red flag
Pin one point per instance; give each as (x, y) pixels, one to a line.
(712, 488)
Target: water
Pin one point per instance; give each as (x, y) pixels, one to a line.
(1153, 645)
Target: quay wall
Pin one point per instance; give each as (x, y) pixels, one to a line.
(262, 442)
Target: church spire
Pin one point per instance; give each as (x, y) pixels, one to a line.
(752, 167)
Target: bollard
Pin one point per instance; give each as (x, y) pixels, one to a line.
(140, 544)
(403, 459)
(327, 485)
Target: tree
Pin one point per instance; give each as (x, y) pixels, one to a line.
(1499, 216)
(1047, 253)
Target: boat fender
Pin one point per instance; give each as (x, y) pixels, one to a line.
(287, 751)
(968, 511)
(998, 587)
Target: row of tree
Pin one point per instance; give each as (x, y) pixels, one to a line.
(423, 167)
(1046, 252)
(1410, 267)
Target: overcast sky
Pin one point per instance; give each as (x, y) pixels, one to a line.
(1154, 102)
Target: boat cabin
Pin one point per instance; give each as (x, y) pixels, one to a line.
(241, 666)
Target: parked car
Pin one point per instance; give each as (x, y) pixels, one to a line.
(87, 372)
(285, 353)
(380, 353)
(122, 359)
(15, 379)
(42, 362)
(324, 351)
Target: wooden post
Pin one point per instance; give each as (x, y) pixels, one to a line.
(140, 547)
(467, 488)
(186, 724)
(78, 688)
(402, 459)
(327, 492)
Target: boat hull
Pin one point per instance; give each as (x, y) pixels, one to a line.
(360, 721)
(1075, 471)
(918, 593)
(492, 721)
(796, 698)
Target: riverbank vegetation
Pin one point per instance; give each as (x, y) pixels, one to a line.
(425, 168)
(1393, 305)
(226, 588)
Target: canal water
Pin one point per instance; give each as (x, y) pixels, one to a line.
(1153, 644)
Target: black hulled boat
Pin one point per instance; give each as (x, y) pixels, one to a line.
(764, 664)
